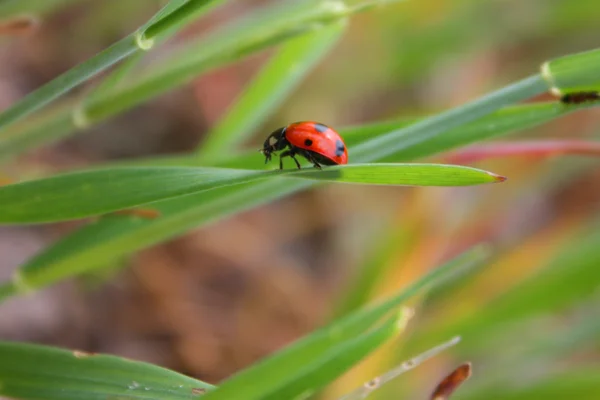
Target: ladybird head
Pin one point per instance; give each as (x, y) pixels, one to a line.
(274, 142)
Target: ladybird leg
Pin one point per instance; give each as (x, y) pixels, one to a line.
(284, 154)
(288, 153)
(310, 158)
(297, 163)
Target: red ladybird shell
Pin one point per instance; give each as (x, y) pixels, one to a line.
(318, 138)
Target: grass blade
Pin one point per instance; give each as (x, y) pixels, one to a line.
(38, 372)
(306, 349)
(573, 73)
(403, 174)
(81, 73)
(369, 387)
(83, 194)
(327, 357)
(67, 81)
(428, 128)
(335, 361)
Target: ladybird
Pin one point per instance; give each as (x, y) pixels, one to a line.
(580, 97)
(318, 143)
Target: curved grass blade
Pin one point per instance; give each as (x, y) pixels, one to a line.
(369, 387)
(110, 238)
(83, 194)
(273, 84)
(403, 175)
(272, 369)
(304, 375)
(67, 81)
(87, 193)
(81, 73)
(33, 372)
(312, 377)
(569, 278)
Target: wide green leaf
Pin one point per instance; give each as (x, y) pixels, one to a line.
(86, 193)
(108, 239)
(83, 194)
(33, 372)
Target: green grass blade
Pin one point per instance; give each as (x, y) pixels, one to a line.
(39, 129)
(571, 277)
(305, 350)
(79, 74)
(374, 384)
(112, 237)
(403, 174)
(67, 81)
(175, 13)
(458, 265)
(395, 241)
(431, 127)
(573, 73)
(331, 364)
(116, 77)
(83, 194)
(273, 84)
(327, 358)
(265, 28)
(277, 366)
(38, 372)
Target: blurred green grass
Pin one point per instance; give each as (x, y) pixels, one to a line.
(417, 58)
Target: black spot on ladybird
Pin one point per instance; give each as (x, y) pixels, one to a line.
(320, 127)
(339, 148)
(308, 142)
